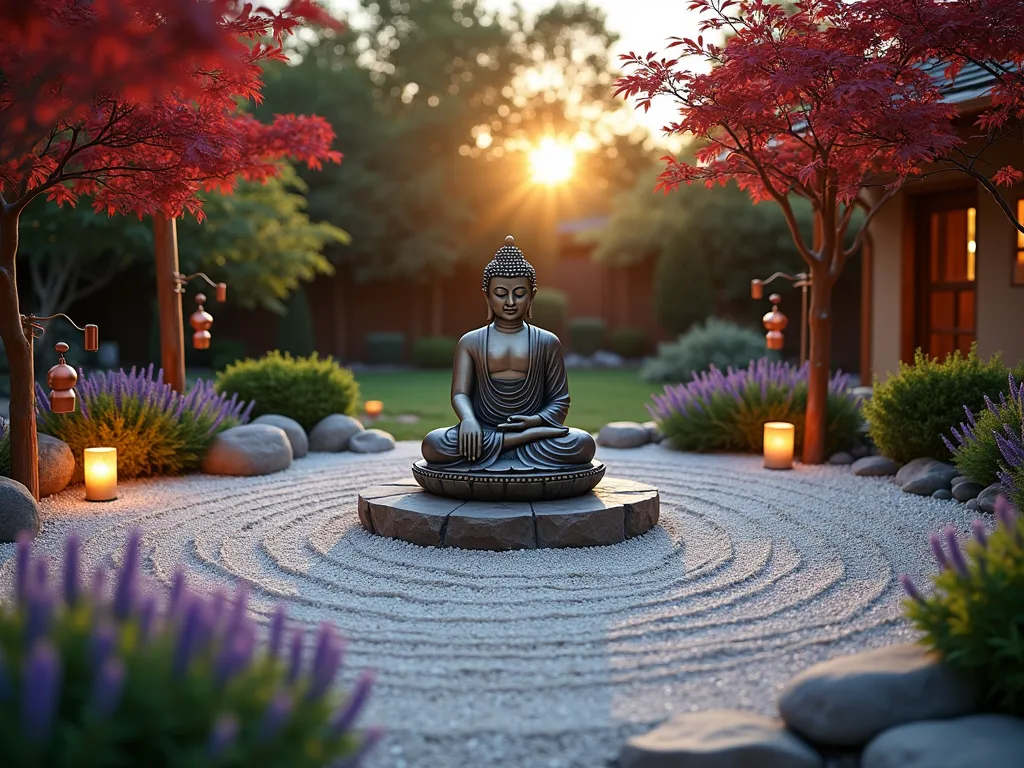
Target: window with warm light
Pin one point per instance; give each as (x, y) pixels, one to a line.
(1018, 254)
(972, 243)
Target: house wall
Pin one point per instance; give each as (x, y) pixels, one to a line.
(886, 286)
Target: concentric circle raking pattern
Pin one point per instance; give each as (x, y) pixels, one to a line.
(547, 657)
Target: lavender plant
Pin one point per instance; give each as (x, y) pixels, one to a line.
(973, 617)
(5, 449)
(976, 449)
(726, 410)
(1011, 473)
(87, 680)
(156, 430)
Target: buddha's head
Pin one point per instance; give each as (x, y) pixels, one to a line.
(509, 284)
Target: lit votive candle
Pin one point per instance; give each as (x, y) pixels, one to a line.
(778, 445)
(100, 474)
(374, 408)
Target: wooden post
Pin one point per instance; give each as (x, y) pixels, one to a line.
(172, 334)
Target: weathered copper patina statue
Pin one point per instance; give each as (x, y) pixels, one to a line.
(511, 394)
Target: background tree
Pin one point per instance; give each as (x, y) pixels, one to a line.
(133, 103)
(802, 104)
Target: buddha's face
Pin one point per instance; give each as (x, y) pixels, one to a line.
(510, 297)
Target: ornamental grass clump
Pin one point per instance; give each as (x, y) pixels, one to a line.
(727, 411)
(977, 450)
(156, 430)
(134, 680)
(306, 389)
(973, 616)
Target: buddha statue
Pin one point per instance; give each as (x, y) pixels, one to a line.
(511, 394)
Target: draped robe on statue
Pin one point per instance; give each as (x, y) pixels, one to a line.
(544, 392)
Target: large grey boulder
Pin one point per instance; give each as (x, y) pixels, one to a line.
(623, 434)
(847, 701)
(18, 510)
(987, 498)
(56, 465)
(371, 441)
(332, 433)
(979, 741)
(967, 490)
(924, 466)
(248, 450)
(719, 738)
(875, 466)
(928, 483)
(296, 434)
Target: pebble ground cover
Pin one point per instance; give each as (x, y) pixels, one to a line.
(547, 658)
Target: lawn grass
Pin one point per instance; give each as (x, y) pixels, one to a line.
(598, 396)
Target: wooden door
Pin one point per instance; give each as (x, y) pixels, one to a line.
(945, 273)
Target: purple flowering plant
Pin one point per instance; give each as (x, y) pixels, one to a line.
(92, 676)
(974, 615)
(727, 410)
(987, 446)
(156, 430)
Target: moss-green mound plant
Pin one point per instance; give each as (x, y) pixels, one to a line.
(630, 343)
(434, 352)
(727, 410)
(717, 343)
(156, 431)
(973, 616)
(550, 308)
(911, 413)
(975, 444)
(304, 388)
(178, 683)
(587, 335)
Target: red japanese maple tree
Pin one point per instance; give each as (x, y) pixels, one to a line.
(820, 102)
(134, 103)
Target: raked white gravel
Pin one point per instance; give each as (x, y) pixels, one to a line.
(546, 658)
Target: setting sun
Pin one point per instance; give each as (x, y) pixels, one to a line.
(552, 162)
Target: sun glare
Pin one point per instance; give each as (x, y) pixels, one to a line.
(552, 163)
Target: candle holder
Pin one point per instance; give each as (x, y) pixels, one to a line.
(373, 408)
(100, 474)
(778, 445)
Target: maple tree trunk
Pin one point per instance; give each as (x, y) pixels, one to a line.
(172, 334)
(820, 322)
(18, 347)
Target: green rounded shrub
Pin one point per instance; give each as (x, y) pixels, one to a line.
(910, 414)
(630, 343)
(717, 343)
(434, 352)
(182, 682)
(303, 388)
(972, 618)
(587, 335)
(385, 348)
(549, 310)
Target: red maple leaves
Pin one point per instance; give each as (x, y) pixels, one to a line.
(135, 102)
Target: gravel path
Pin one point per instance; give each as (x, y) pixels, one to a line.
(547, 658)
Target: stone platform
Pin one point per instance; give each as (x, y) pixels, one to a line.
(611, 513)
(508, 486)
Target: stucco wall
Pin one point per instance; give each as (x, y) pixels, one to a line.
(887, 236)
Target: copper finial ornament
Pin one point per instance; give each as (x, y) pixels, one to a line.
(62, 379)
(774, 322)
(201, 321)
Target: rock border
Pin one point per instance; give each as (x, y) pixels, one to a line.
(614, 511)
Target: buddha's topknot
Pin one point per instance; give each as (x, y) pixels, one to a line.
(509, 262)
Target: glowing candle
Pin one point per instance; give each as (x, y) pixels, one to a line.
(374, 407)
(100, 474)
(778, 445)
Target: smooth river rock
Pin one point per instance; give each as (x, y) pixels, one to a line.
(623, 434)
(987, 498)
(18, 510)
(875, 466)
(332, 433)
(371, 441)
(56, 465)
(840, 459)
(924, 466)
(248, 450)
(296, 434)
(847, 701)
(942, 494)
(653, 432)
(967, 490)
(928, 483)
(978, 741)
(719, 738)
